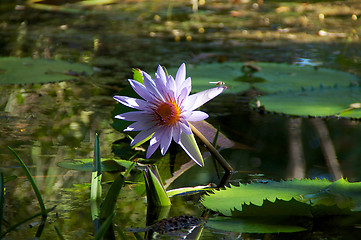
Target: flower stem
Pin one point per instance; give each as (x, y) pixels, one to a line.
(214, 152)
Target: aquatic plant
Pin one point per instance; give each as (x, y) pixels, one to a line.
(165, 111)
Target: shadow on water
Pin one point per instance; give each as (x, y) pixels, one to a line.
(50, 123)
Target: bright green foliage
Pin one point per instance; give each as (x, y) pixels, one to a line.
(287, 198)
(31, 71)
(323, 102)
(156, 194)
(271, 78)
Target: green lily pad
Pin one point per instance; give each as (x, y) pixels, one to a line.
(301, 198)
(266, 77)
(324, 102)
(244, 225)
(31, 71)
(234, 198)
(87, 164)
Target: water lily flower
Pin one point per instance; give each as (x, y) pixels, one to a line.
(165, 110)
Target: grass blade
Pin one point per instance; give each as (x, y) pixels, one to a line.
(111, 198)
(32, 182)
(60, 236)
(96, 188)
(13, 227)
(104, 227)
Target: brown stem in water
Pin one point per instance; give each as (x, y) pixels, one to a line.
(327, 148)
(214, 152)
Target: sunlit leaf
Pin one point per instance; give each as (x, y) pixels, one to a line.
(271, 77)
(321, 102)
(233, 198)
(307, 198)
(28, 71)
(189, 190)
(156, 194)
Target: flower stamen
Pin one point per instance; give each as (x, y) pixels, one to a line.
(168, 113)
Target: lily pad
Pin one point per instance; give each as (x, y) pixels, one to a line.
(234, 198)
(31, 71)
(324, 102)
(87, 164)
(266, 77)
(244, 225)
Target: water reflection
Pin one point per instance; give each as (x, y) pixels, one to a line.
(49, 123)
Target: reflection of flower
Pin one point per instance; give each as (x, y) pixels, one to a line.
(165, 111)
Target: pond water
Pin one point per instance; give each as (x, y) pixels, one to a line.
(49, 123)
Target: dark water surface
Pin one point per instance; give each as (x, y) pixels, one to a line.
(49, 123)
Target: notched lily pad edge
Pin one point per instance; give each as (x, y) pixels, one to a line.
(262, 110)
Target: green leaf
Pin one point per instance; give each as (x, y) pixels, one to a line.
(271, 78)
(32, 183)
(137, 75)
(323, 102)
(189, 190)
(190, 146)
(29, 71)
(343, 194)
(108, 206)
(236, 197)
(251, 225)
(104, 227)
(156, 194)
(86, 164)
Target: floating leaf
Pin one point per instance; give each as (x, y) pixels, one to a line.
(323, 102)
(264, 225)
(233, 198)
(266, 77)
(86, 164)
(28, 71)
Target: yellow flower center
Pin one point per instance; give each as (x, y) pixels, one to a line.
(168, 113)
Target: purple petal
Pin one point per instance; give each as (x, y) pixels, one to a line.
(183, 94)
(166, 140)
(139, 126)
(153, 145)
(171, 86)
(140, 90)
(196, 100)
(150, 85)
(197, 116)
(142, 135)
(134, 116)
(185, 127)
(161, 74)
(132, 102)
(177, 132)
(181, 75)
